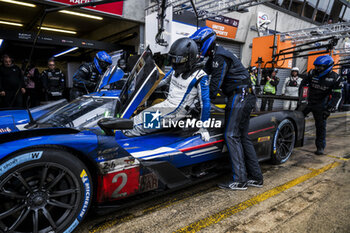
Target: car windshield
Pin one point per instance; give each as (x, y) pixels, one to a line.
(83, 112)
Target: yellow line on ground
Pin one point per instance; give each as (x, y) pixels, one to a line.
(337, 157)
(213, 219)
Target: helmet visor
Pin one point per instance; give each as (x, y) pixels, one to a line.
(320, 68)
(174, 59)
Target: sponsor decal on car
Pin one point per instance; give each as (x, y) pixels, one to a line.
(149, 182)
(35, 155)
(264, 139)
(84, 177)
(5, 130)
(118, 164)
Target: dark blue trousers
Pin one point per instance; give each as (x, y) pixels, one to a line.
(244, 161)
(320, 123)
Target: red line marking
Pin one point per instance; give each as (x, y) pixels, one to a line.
(200, 146)
(211, 143)
(253, 132)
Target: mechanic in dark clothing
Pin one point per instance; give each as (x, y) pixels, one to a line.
(32, 85)
(229, 75)
(11, 83)
(322, 82)
(270, 83)
(88, 76)
(53, 81)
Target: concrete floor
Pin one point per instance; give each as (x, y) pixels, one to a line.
(308, 193)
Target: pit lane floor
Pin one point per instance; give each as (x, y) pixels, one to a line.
(308, 193)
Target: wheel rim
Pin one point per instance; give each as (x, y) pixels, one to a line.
(285, 141)
(39, 197)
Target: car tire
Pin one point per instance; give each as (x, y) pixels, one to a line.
(283, 142)
(43, 190)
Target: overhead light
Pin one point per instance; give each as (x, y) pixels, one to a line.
(1, 41)
(81, 14)
(65, 52)
(11, 23)
(19, 3)
(58, 30)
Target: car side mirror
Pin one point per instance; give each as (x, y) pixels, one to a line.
(110, 124)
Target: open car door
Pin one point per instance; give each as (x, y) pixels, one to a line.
(142, 81)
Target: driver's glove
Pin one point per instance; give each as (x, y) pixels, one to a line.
(204, 134)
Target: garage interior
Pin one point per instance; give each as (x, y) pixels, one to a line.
(19, 23)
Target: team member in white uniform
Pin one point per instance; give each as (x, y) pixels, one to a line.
(291, 88)
(188, 82)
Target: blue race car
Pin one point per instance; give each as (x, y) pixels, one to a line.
(61, 161)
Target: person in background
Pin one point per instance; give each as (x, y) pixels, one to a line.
(291, 88)
(12, 83)
(32, 85)
(88, 75)
(53, 80)
(270, 83)
(322, 83)
(254, 76)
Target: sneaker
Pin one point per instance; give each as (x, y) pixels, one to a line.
(233, 185)
(255, 183)
(320, 151)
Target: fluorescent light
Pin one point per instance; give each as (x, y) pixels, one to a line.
(11, 23)
(67, 51)
(58, 30)
(19, 3)
(1, 41)
(81, 14)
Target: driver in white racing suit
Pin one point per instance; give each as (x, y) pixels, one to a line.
(291, 88)
(188, 82)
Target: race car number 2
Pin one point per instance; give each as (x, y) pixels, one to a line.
(119, 184)
(116, 193)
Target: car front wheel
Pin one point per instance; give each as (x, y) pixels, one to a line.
(43, 190)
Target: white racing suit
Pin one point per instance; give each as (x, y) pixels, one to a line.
(181, 97)
(291, 88)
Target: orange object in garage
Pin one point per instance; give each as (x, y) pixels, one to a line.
(312, 58)
(263, 47)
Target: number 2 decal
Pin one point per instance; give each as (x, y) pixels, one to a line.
(116, 193)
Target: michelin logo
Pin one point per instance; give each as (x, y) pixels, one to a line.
(151, 120)
(86, 183)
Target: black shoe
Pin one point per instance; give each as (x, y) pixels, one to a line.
(233, 185)
(320, 151)
(255, 183)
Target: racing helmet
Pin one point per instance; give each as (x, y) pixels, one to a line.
(183, 55)
(205, 38)
(323, 65)
(102, 60)
(294, 69)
